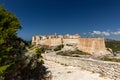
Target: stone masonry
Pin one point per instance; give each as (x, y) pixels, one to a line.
(95, 46)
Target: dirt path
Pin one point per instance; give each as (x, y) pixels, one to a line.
(61, 72)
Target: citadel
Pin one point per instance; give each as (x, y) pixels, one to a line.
(94, 46)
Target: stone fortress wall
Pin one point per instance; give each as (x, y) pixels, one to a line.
(94, 46)
(91, 45)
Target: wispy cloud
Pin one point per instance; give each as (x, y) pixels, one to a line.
(104, 33)
(116, 33)
(101, 33)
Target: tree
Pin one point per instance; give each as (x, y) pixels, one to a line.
(9, 24)
(14, 64)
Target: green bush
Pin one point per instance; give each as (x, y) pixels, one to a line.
(81, 52)
(3, 68)
(58, 47)
(62, 53)
(110, 59)
(76, 53)
(69, 45)
(40, 50)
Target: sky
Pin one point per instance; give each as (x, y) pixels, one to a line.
(89, 18)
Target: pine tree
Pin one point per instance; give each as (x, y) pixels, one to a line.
(9, 24)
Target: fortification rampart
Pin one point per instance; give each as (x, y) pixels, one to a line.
(94, 46)
(36, 40)
(70, 41)
(54, 40)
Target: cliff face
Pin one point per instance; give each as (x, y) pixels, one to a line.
(95, 46)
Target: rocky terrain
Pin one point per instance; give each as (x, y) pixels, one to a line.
(104, 68)
(62, 72)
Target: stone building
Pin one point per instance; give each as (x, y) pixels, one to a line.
(95, 46)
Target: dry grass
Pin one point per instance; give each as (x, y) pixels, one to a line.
(101, 74)
(69, 72)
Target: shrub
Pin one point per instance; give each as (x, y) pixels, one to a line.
(63, 53)
(40, 50)
(76, 53)
(81, 52)
(69, 45)
(3, 68)
(58, 47)
(110, 59)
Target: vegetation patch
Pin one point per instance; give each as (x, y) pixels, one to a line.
(75, 53)
(58, 47)
(110, 59)
(81, 52)
(69, 45)
(114, 45)
(14, 64)
(40, 50)
(3, 68)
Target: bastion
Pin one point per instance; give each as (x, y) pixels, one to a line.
(94, 46)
